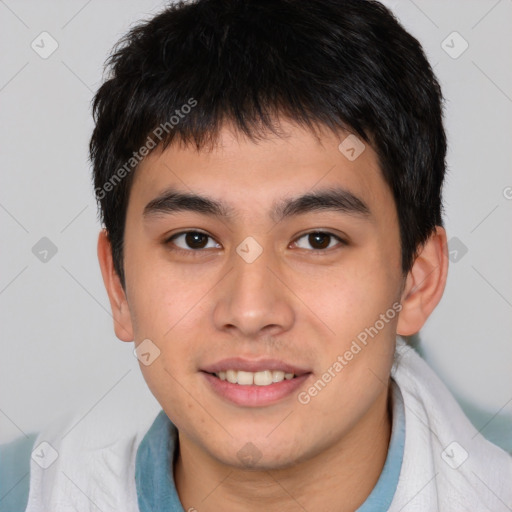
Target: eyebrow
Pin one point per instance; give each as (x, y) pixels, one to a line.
(335, 199)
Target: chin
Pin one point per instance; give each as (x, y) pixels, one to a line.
(258, 453)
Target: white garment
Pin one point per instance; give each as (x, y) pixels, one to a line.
(433, 421)
(95, 468)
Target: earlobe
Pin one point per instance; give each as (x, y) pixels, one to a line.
(116, 295)
(425, 284)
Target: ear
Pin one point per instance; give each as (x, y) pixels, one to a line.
(425, 284)
(116, 295)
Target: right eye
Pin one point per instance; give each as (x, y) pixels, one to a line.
(194, 240)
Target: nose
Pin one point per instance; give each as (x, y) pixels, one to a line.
(254, 299)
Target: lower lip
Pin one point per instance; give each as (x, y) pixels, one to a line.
(252, 395)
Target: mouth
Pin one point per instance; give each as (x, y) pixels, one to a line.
(254, 388)
(260, 378)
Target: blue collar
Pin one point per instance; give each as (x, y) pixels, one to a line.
(154, 476)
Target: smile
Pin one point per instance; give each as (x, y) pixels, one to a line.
(254, 389)
(261, 378)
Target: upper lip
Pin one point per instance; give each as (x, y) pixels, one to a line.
(253, 365)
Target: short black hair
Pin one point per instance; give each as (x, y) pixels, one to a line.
(341, 64)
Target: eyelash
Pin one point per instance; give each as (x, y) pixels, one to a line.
(196, 251)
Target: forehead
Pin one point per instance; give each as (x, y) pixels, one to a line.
(249, 177)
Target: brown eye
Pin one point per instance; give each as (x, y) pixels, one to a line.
(319, 240)
(190, 240)
(195, 240)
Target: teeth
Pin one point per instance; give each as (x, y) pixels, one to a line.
(245, 378)
(231, 376)
(277, 376)
(263, 378)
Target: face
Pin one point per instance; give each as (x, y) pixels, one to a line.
(265, 283)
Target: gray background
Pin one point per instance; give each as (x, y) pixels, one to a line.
(59, 351)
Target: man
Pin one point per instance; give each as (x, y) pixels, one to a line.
(269, 176)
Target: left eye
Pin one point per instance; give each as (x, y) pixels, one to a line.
(319, 240)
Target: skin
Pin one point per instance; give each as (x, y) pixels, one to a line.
(294, 303)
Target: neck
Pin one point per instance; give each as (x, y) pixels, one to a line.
(337, 479)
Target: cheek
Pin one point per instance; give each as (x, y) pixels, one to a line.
(161, 296)
(163, 306)
(351, 296)
(358, 303)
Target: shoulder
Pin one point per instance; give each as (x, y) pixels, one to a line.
(459, 468)
(15, 473)
(94, 452)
